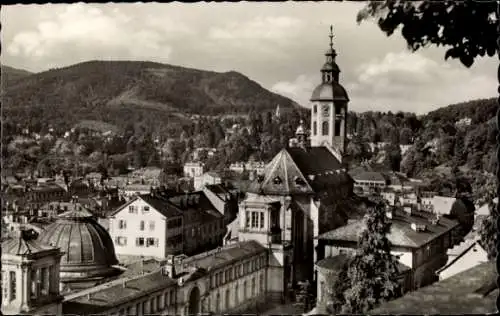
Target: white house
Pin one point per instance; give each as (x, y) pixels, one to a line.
(193, 169)
(146, 226)
(208, 178)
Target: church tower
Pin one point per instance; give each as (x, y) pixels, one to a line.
(329, 107)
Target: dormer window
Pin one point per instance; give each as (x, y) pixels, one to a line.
(299, 181)
(277, 180)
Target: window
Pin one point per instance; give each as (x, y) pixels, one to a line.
(261, 283)
(315, 128)
(255, 219)
(141, 226)
(139, 241)
(337, 128)
(152, 305)
(152, 242)
(151, 225)
(244, 290)
(253, 287)
(277, 180)
(315, 109)
(228, 300)
(121, 241)
(261, 219)
(145, 208)
(132, 209)
(165, 299)
(247, 219)
(122, 224)
(44, 280)
(325, 128)
(236, 294)
(217, 303)
(12, 280)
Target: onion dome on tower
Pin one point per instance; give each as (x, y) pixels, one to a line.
(330, 89)
(89, 254)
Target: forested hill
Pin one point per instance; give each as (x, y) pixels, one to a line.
(10, 74)
(458, 135)
(117, 91)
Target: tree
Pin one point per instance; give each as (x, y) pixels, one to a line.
(373, 271)
(488, 227)
(440, 23)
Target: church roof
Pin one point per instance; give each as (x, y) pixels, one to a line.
(301, 170)
(329, 91)
(283, 176)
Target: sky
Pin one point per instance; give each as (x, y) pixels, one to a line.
(279, 45)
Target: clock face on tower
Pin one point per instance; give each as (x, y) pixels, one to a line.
(325, 110)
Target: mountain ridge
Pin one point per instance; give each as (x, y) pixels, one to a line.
(104, 90)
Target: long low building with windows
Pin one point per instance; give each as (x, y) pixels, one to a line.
(226, 280)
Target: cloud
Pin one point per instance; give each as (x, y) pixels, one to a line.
(411, 82)
(260, 27)
(87, 32)
(400, 81)
(298, 90)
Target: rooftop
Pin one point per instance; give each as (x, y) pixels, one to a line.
(103, 297)
(369, 176)
(298, 170)
(401, 233)
(337, 262)
(160, 204)
(453, 296)
(220, 257)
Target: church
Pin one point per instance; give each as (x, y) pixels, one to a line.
(305, 188)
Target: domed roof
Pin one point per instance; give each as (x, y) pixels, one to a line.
(329, 91)
(88, 249)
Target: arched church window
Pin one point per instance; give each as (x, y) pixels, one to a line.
(315, 109)
(217, 303)
(328, 78)
(324, 128)
(277, 180)
(337, 128)
(315, 127)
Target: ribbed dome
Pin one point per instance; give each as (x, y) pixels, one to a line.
(329, 92)
(88, 249)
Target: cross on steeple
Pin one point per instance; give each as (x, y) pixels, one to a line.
(331, 36)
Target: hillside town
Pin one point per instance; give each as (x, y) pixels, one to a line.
(268, 228)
